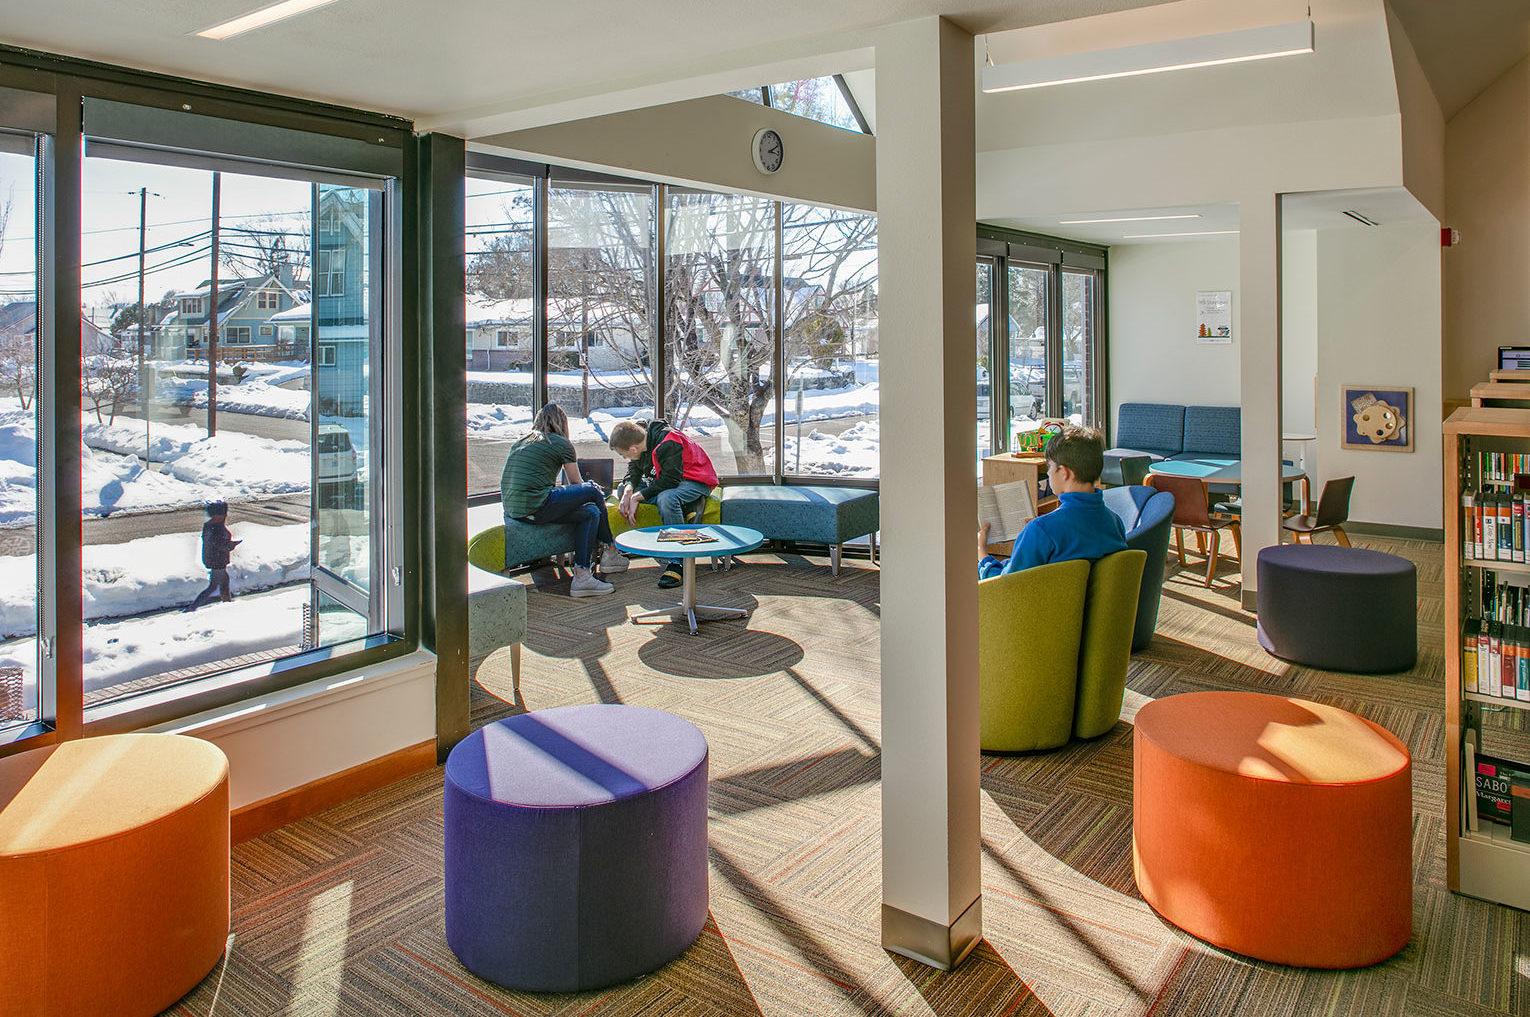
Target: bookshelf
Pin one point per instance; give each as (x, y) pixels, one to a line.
(1484, 591)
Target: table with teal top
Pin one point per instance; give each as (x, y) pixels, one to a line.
(726, 540)
(1217, 470)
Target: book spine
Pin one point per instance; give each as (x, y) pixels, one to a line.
(1522, 671)
(1469, 659)
(1495, 657)
(1484, 660)
(1490, 527)
(1517, 526)
(1477, 523)
(1505, 530)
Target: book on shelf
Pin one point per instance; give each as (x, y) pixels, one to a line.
(1469, 798)
(1006, 508)
(1495, 525)
(677, 536)
(1495, 652)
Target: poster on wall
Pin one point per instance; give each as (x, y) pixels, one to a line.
(1213, 317)
(1377, 418)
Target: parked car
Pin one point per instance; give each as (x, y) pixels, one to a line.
(337, 458)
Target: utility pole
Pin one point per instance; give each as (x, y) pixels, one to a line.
(143, 375)
(212, 316)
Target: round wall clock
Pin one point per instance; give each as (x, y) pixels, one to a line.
(767, 150)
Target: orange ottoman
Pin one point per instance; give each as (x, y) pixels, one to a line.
(1276, 828)
(114, 874)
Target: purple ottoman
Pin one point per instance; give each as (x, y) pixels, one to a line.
(576, 846)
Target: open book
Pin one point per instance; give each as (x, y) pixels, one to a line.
(1005, 508)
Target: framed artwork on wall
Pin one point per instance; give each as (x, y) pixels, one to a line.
(1377, 418)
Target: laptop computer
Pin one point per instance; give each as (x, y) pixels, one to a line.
(602, 471)
(1514, 358)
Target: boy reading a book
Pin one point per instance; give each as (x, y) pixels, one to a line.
(1080, 527)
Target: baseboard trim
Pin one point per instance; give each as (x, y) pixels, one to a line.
(1250, 600)
(931, 943)
(1431, 534)
(268, 814)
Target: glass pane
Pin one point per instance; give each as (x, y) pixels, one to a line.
(345, 336)
(1027, 294)
(180, 418)
(829, 298)
(600, 285)
(719, 295)
(985, 444)
(1078, 345)
(19, 297)
(751, 94)
(817, 99)
(501, 334)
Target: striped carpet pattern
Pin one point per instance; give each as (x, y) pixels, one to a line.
(341, 914)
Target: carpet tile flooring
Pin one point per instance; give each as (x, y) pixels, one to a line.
(341, 914)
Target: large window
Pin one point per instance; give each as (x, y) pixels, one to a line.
(761, 304)
(719, 302)
(501, 321)
(1038, 326)
(829, 290)
(20, 322)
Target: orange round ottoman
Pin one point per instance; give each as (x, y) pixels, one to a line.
(114, 874)
(1276, 828)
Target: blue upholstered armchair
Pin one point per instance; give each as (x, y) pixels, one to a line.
(1148, 516)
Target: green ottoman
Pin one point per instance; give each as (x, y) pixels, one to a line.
(819, 515)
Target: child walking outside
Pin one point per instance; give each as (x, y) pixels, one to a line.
(217, 545)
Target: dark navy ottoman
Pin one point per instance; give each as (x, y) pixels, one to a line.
(576, 846)
(818, 515)
(1338, 608)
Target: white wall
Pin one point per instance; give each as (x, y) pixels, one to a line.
(707, 143)
(1487, 197)
(1153, 353)
(1379, 312)
(1299, 344)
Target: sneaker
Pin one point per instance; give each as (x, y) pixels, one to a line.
(670, 577)
(612, 560)
(586, 585)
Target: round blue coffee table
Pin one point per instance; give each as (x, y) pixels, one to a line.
(723, 541)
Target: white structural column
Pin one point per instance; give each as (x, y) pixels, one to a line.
(931, 906)
(1259, 254)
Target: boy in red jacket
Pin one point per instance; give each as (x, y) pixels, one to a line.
(667, 469)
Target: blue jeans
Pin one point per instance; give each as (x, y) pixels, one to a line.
(671, 503)
(583, 506)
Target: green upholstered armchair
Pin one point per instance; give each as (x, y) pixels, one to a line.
(1110, 613)
(1030, 625)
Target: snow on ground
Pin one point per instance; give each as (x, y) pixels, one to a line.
(852, 453)
(261, 392)
(124, 651)
(153, 573)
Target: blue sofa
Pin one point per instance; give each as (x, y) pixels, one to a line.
(1148, 516)
(1172, 431)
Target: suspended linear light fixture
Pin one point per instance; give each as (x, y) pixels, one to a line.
(261, 18)
(1152, 57)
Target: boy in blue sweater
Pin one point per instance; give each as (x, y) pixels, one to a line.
(1080, 527)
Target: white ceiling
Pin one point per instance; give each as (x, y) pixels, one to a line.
(435, 60)
(1318, 210)
(1465, 45)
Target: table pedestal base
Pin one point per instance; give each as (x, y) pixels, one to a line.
(688, 610)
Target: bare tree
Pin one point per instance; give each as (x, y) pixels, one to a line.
(265, 248)
(108, 380)
(18, 365)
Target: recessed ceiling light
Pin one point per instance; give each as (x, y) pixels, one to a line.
(1128, 218)
(1201, 233)
(263, 17)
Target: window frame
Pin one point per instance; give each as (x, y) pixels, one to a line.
(66, 86)
(1006, 248)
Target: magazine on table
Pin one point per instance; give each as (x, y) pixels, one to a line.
(1006, 508)
(677, 536)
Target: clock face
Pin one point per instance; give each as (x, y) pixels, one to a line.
(768, 151)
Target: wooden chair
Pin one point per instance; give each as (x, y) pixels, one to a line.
(1332, 513)
(1192, 511)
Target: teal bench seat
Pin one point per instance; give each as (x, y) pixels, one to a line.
(818, 515)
